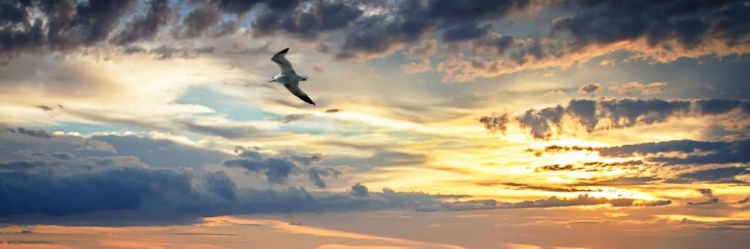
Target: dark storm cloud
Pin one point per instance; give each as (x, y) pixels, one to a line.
(614, 113)
(116, 189)
(199, 20)
(360, 190)
(410, 20)
(69, 24)
(220, 184)
(375, 36)
(499, 43)
(166, 52)
(307, 23)
(687, 22)
(670, 153)
(710, 175)
(695, 152)
(464, 32)
(154, 194)
(293, 118)
(227, 28)
(145, 27)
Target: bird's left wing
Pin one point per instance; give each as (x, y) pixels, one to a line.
(284, 65)
(294, 88)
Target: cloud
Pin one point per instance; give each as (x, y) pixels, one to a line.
(333, 110)
(424, 50)
(276, 170)
(145, 27)
(590, 88)
(522, 186)
(198, 21)
(360, 190)
(693, 152)
(711, 175)
(69, 25)
(306, 23)
(44, 108)
(116, 185)
(708, 195)
(415, 68)
(377, 36)
(220, 184)
(657, 24)
(315, 175)
(464, 32)
(496, 122)
(583, 200)
(612, 113)
(293, 118)
(33, 133)
(554, 94)
(637, 87)
(619, 181)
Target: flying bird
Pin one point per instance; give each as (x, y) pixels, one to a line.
(288, 77)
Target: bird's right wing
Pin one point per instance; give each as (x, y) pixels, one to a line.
(294, 88)
(284, 65)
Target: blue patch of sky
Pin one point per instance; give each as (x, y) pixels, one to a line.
(234, 108)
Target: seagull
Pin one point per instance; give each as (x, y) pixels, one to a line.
(288, 77)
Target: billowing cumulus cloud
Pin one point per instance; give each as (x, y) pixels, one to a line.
(360, 190)
(613, 113)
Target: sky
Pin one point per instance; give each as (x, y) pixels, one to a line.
(437, 124)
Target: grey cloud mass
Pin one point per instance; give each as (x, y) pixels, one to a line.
(613, 113)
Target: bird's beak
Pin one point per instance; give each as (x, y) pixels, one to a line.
(270, 81)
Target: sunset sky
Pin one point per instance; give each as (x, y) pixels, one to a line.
(438, 124)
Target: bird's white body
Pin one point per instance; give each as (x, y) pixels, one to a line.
(288, 77)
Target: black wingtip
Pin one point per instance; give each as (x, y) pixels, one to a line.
(283, 51)
(307, 99)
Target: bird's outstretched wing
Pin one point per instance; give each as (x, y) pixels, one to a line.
(284, 65)
(294, 88)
